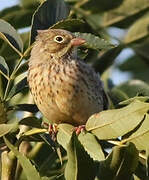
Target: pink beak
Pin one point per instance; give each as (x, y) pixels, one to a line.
(77, 41)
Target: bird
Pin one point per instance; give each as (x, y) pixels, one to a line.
(64, 87)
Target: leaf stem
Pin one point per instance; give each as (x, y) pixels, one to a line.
(117, 143)
(14, 71)
(4, 75)
(5, 39)
(80, 3)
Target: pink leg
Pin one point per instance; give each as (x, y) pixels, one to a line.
(79, 129)
(52, 129)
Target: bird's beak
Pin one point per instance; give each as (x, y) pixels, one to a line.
(77, 41)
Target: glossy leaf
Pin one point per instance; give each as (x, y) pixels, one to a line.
(31, 121)
(9, 34)
(92, 146)
(29, 4)
(130, 100)
(34, 134)
(141, 136)
(64, 134)
(133, 64)
(147, 162)
(4, 69)
(94, 42)
(134, 88)
(137, 65)
(8, 10)
(80, 165)
(107, 59)
(8, 52)
(34, 131)
(23, 68)
(25, 107)
(117, 122)
(120, 163)
(141, 49)
(126, 9)
(17, 88)
(48, 13)
(138, 30)
(6, 128)
(101, 5)
(71, 0)
(19, 16)
(117, 95)
(3, 113)
(69, 24)
(29, 170)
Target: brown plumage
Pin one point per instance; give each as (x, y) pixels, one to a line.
(64, 88)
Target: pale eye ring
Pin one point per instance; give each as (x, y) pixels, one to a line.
(59, 39)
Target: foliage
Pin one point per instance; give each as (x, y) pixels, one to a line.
(115, 143)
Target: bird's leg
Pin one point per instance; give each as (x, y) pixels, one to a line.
(52, 129)
(79, 129)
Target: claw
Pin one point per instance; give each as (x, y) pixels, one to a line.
(52, 129)
(79, 129)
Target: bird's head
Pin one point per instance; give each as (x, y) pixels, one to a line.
(58, 42)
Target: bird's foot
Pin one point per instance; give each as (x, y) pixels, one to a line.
(79, 129)
(52, 129)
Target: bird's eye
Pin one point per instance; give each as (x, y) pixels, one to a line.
(58, 39)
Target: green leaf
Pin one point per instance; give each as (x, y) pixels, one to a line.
(120, 163)
(19, 16)
(4, 70)
(101, 5)
(64, 134)
(29, 170)
(8, 10)
(79, 166)
(147, 162)
(133, 63)
(139, 98)
(117, 122)
(137, 64)
(107, 59)
(9, 34)
(8, 52)
(125, 10)
(94, 42)
(71, 0)
(141, 135)
(140, 173)
(141, 49)
(91, 145)
(35, 135)
(117, 95)
(25, 107)
(3, 113)
(28, 4)
(134, 88)
(22, 68)
(34, 131)
(17, 88)
(69, 24)
(139, 30)
(48, 13)
(3, 66)
(31, 121)
(7, 128)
